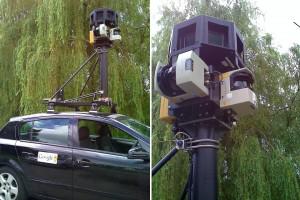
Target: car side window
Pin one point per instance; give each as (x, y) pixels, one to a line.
(105, 137)
(8, 132)
(52, 131)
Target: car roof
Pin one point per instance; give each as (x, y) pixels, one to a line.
(64, 114)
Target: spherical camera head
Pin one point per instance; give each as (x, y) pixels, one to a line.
(206, 74)
(104, 27)
(103, 16)
(217, 42)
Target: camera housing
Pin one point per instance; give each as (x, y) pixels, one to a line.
(184, 80)
(236, 92)
(217, 42)
(104, 26)
(205, 76)
(103, 16)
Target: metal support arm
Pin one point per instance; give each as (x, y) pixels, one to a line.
(74, 74)
(163, 161)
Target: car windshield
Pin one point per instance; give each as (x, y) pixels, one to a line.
(133, 124)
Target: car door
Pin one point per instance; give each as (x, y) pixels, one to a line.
(46, 157)
(106, 172)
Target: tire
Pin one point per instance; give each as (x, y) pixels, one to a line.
(11, 185)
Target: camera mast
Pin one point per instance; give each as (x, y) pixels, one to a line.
(205, 89)
(104, 31)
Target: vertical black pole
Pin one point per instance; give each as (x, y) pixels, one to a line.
(204, 183)
(103, 70)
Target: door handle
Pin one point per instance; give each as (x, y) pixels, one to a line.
(84, 163)
(27, 154)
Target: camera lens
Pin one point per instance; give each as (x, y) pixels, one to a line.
(241, 80)
(166, 79)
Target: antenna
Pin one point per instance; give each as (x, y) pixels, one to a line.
(104, 31)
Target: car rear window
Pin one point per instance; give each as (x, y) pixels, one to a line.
(51, 131)
(8, 132)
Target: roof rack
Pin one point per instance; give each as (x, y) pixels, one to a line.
(77, 102)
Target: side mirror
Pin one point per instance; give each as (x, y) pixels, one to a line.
(138, 153)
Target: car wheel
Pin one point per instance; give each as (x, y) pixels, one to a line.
(11, 186)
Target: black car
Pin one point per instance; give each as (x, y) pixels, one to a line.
(74, 155)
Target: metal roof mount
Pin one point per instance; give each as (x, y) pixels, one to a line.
(103, 32)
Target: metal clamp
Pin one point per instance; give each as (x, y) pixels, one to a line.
(204, 143)
(182, 140)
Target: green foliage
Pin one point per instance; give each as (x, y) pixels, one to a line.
(43, 42)
(247, 171)
(258, 159)
(281, 174)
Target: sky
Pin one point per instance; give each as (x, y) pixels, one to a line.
(278, 18)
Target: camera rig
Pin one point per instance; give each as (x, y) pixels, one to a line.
(104, 31)
(205, 89)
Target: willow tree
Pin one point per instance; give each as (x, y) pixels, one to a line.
(42, 42)
(258, 159)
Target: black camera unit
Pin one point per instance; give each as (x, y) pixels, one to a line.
(103, 16)
(204, 52)
(104, 27)
(217, 42)
(205, 87)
